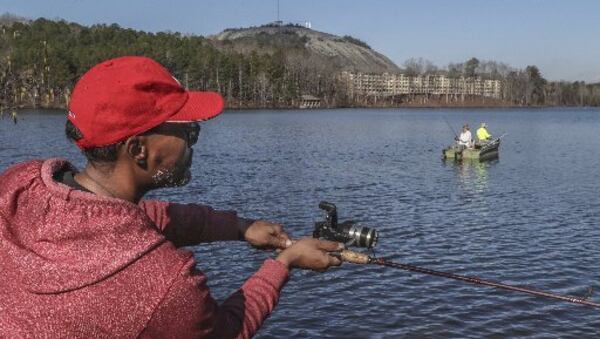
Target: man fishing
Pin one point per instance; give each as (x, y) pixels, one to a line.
(482, 133)
(82, 254)
(465, 139)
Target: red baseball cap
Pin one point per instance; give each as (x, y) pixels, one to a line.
(126, 96)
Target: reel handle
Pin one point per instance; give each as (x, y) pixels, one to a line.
(327, 206)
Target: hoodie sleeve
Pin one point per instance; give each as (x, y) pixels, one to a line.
(191, 224)
(189, 311)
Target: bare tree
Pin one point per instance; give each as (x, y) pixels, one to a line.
(419, 66)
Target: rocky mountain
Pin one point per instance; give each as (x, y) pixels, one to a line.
(306, 46)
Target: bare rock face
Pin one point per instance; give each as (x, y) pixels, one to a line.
(303, 45)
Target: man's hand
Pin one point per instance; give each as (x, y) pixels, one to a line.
(310, 253)
(265, 234)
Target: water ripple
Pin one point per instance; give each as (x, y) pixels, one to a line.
(530, 218)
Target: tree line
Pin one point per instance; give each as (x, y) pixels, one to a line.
(525, 87)
(41, 60)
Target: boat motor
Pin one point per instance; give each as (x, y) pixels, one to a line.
(347, 232)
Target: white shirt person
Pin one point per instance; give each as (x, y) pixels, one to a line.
(465, 138)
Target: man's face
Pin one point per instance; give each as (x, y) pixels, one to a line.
(171, 153)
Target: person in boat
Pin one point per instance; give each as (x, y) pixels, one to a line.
(83, 254)
(482, 134)
(465, 139)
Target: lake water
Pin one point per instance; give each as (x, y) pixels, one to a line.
(530, 218)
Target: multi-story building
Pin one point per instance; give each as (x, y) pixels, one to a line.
(398, 84)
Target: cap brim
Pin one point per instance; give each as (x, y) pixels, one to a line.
(200, 106)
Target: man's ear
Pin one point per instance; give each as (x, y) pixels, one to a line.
(137, 150)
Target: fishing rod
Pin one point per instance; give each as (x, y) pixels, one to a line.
(452, 129)
(352, 235)
(502, 136)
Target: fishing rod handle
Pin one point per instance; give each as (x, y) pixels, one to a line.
(349, 256)
(353, 257)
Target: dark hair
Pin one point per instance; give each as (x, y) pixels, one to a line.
(105, 154)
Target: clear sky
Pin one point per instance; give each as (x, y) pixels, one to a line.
(560, 37)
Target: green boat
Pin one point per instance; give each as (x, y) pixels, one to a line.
(480, 152)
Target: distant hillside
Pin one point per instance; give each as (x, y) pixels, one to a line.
(306, 46)
(271, 67)
(41, 60)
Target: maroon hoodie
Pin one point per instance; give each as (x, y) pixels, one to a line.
(75, 264)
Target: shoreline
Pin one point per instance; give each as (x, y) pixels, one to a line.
(250, 108)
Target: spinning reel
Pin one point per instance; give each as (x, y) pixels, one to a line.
(347, 232)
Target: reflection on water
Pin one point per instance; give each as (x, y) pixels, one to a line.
(530, 218)
(473, 174)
